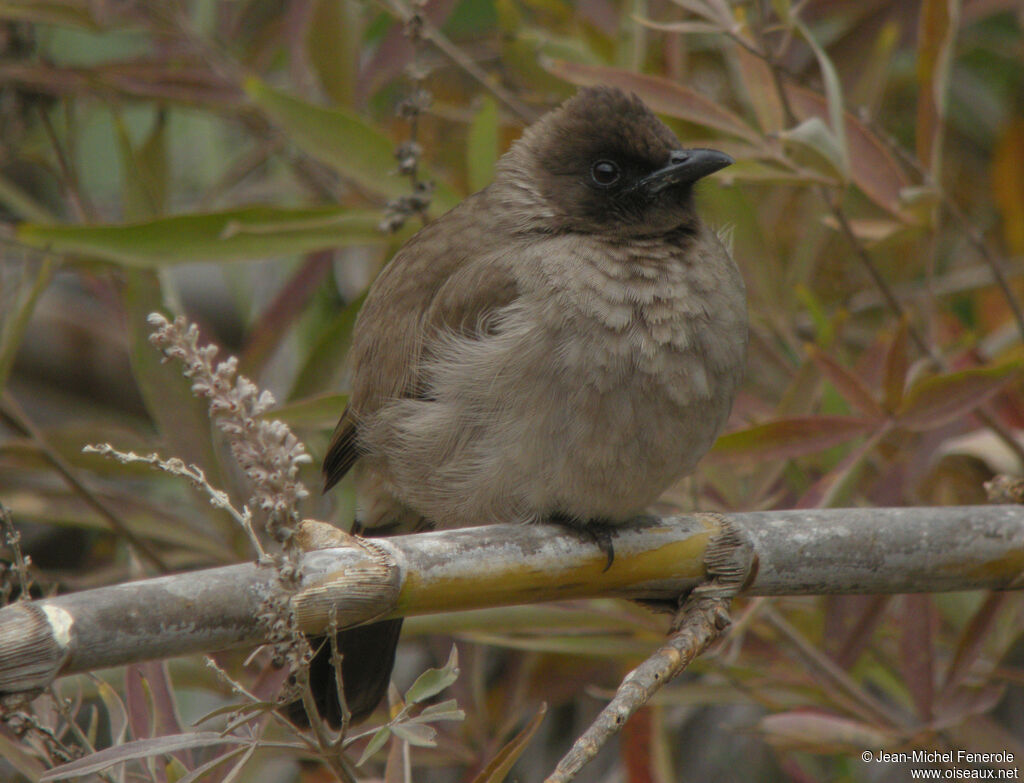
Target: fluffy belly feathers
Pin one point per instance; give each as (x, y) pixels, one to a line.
(592, 412)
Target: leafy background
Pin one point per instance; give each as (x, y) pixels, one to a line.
(233, 161)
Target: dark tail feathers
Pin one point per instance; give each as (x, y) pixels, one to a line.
(368, 655)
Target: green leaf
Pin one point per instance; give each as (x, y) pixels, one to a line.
(232, 235)
(144, 171)
(319, 411)
(833, 94)
(333, 45)
(482, 145)
(814, 135)
(322, 369)
(20, 203)
(446, 710)
(344, 141)
(180, 417)
(875, 171)
(433, 681)
(50, 12)
(787, 438)
(498, 768)
(375, 744)
(140, 749)
(19, 303)
(938, 400)
(418, 734)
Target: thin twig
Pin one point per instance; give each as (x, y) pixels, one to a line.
(704, 616)
(982, 412)
(12, 538)
(402, 11)
(67, 169)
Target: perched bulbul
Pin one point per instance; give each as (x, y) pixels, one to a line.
(563, 345)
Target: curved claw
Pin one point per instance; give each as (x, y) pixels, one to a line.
(598, 531)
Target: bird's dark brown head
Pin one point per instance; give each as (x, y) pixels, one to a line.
(602, 162)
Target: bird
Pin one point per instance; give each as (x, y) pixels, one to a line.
(562, 346)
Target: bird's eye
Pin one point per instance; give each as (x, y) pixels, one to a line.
(605, 173)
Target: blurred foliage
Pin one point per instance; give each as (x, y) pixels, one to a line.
(876, 208)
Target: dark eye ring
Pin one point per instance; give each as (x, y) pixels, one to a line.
(605, 173)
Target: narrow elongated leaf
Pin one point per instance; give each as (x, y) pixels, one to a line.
(935, 401)
(972, 640)
(482, 145)
(824, 491)
(897, 363)
(375, 744)
(917, 653)
(815, 136)
(786, 438)
(819, 732)
(417, 734)
(873, 168)
(833, 93)
(344, 141)
(50, 12)
(232, 235)
(936, 33)
(319, 411)
(181, 418)
(18, 302)
(20, 203)
(852, 388)
(333, 43)
(446, 710)
(433, 681)
(498, 768)
(322, 368)
(139, 749)
(761, 90)
(662, 95)
(1008, 182)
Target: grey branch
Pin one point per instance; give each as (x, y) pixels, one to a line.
(703, 617)
(894, 550)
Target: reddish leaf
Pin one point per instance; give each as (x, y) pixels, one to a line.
(936, 33)
(852, 388)
(635, 747)
(287, 306)
(663, 96)
(938, 400)
(1008, 183)
(823, 492)
(917, 651)
(165, 711)
(874, 170)
(785, 438)
(497, 768)
(973, 638)
(850, 620)
(137, 700)
(897, 363)
(761, 90)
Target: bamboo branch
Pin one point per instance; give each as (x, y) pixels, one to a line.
(808, 552)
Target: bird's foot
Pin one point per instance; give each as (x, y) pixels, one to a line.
(598, 531)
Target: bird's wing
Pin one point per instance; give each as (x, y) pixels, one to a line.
(449, 276)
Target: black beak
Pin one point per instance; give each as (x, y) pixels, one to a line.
(685, 166)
